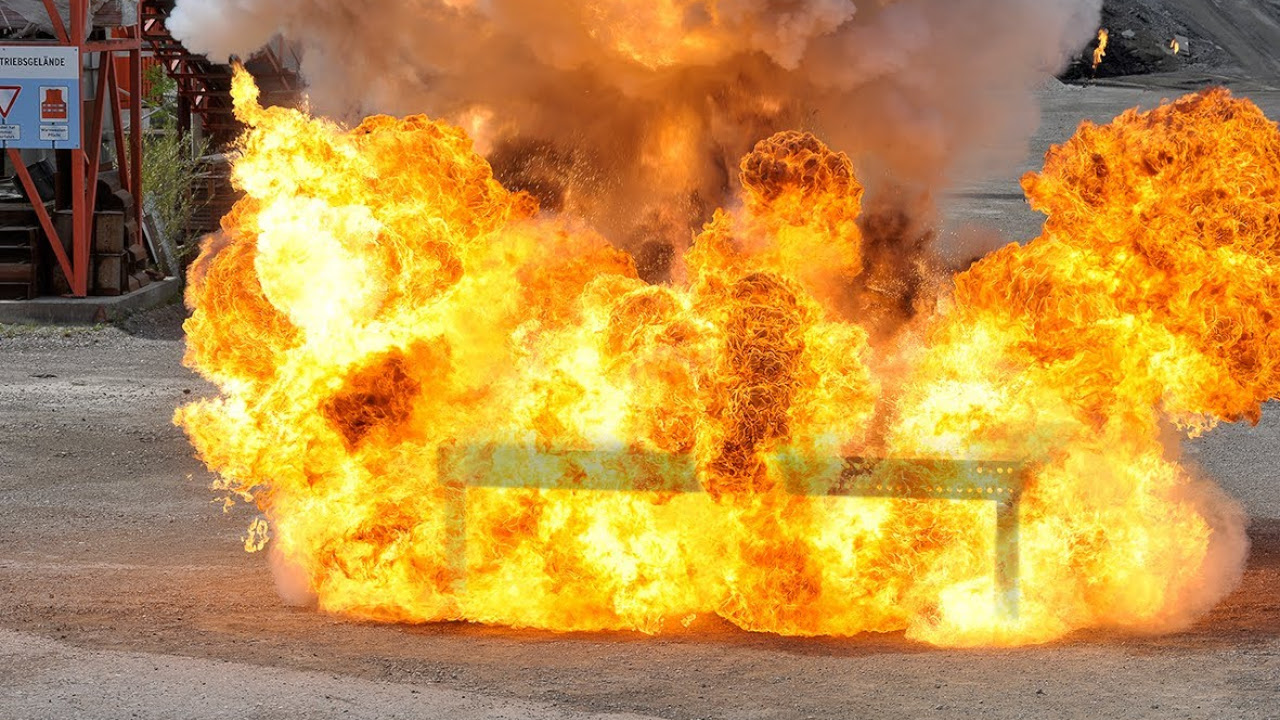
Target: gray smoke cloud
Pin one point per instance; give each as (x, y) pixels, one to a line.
(634, 113)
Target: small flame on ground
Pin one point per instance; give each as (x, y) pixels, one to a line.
(1100, 51)
(258, 535)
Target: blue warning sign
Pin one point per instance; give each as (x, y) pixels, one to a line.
(39, 97)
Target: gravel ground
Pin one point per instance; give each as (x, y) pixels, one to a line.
(124, 592)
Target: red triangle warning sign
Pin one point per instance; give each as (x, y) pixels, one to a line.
(8, 96)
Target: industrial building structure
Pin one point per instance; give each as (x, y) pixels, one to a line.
(74, 220)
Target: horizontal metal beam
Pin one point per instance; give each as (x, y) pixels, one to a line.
(115, 45)
(513, 467)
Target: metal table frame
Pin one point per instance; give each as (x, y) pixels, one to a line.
(1001, 482)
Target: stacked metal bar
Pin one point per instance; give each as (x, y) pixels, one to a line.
(499, 466)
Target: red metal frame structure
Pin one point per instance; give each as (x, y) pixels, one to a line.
(204, 85)
(86, 163)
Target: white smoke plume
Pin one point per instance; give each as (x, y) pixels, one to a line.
(633, 113)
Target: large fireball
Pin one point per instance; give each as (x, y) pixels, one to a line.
(450, 405)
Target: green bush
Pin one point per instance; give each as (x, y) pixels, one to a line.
(169, 169)
(170, 166)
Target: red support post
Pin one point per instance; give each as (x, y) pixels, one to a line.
(55, 19)
(117, 126)
(79, 228)
(99, 110)
(135, 130)
(81, 217)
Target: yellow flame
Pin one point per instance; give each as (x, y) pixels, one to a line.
(258, 536)
(1100, 51)
(380, 309)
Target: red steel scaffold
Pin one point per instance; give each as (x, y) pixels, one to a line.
(114, 47)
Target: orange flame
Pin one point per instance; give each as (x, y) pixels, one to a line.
(378, 305)
(1174, 46)
(1101, 50)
